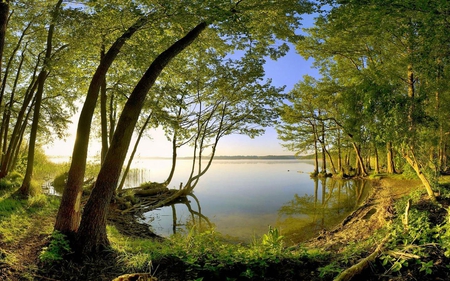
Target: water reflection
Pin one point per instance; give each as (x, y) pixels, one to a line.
(196, 221)
(305, 216)
(299, 219)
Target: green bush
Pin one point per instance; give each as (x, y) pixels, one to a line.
(59, 246)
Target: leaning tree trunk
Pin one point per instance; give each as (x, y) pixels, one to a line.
(103, 112)
(68, 217)
(25, 189)
(360, 161)
(133, 153)
(412, 161)
(91, 236)
(390, 159)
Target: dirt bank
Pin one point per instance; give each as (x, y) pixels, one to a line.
(375, 212)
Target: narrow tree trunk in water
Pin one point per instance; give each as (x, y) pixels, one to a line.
(174, 159)
(340, 170)
(91, 236)
(130, 161)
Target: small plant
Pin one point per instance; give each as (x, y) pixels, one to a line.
(331, 269)
(58, 247)
(427, 267)
(273, 239)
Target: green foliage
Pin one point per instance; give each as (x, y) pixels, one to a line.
(443, 234)
(9, 206)
(208, 252)
(408, 172)
(38, 201)
(273, 240)
(331, 269)
(11, 181)
(408, 243)
(55, 251)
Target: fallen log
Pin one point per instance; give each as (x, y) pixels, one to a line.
(355, 269)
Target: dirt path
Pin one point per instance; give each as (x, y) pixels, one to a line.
(372, 215)
(24, 253)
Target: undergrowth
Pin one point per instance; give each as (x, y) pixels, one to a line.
(206, 255)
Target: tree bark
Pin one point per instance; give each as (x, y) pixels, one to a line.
(377, 162)
(390, 159)
(103, 111)
(130, 161)
(68, 217)
(413, 163)
(360, 160)
(91, 236)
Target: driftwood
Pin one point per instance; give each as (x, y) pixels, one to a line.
(406, 215)
(150, 191)
(355, 269)
(136, 277)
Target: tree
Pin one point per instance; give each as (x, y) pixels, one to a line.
(91, 236)
(25, 190)
(92, 231)
(69, 213)
(355, 44)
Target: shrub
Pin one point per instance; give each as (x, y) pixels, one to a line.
(59, 247)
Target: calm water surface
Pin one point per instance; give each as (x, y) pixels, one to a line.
(242, 198)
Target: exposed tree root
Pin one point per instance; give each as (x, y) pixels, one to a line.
(355, 269)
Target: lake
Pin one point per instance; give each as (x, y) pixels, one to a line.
(242, 198)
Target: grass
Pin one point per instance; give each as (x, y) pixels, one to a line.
(206, 254)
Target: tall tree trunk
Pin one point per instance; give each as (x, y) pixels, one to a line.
(174, 158)
(377, 162)
(4, 14)
(3, 143)
(17, 134)
(91, 236)
(390, 159)
(130, 160)
(25, 190)
(68, 217)
(340, 170)
(103, 111)
(316, 152)
(360, 160)
(324, 157)
(9, 107)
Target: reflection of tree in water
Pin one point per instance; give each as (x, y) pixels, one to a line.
(305, 216)
(196, 219)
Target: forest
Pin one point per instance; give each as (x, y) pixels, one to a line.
(195, 69)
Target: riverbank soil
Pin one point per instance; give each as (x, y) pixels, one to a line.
(19, 258)
(372, 215)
